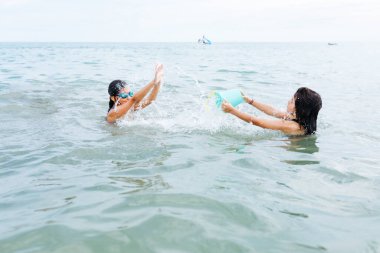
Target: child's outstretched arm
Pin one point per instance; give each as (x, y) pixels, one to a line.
(156, 87)
(288, 127)
(267, 109)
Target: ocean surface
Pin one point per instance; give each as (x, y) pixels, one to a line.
(182, 176)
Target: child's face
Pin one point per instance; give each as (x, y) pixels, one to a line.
(291, 106)
(121, 100)
(126, 89)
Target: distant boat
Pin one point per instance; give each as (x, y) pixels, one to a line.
(332, 44)
(204, 41)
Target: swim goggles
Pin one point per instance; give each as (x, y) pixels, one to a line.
(126, 95)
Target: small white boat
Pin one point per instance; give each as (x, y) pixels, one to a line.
(204, 41)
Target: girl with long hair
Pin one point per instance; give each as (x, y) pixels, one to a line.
(299, 119)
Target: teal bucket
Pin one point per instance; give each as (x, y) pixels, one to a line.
(233, 96)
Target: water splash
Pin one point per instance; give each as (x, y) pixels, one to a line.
(196, 115)
(186, 112)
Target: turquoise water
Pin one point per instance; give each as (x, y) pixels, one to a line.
(182, 176)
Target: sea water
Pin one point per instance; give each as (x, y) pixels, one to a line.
(182, 176)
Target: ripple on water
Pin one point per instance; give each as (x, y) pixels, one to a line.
(301, 215)
(250, 163)
(91, 63)
(243, 72)
(147, 222)
(137, 184)
(14, 77)
(219, 80)
(180, 204)
(340, 177)
(61, 238)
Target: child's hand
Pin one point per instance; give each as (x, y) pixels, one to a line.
(227, 107)
(159, 71)
(246, 98)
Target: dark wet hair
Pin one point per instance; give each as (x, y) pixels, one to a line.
(307, 103)
(114, 89)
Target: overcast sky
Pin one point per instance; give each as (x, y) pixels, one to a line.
(179, 20)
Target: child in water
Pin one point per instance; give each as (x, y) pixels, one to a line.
(122, 99)
(300, 118)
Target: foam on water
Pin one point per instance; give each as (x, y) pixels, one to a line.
(198, 113)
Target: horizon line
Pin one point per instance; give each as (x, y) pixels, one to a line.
(195, 42)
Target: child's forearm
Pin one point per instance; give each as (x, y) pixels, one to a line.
(154, 93)
(149, 100)
(241, 115)
(267, 109)
(142, 93)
